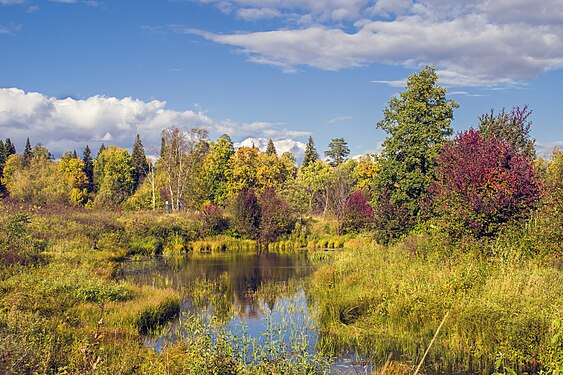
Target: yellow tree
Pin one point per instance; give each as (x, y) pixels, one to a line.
(243, 171)
(366, 170)
(74, 177)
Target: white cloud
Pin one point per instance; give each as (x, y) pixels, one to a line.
(336, 119)
(10, 29)
(472, 42)
(65, 124)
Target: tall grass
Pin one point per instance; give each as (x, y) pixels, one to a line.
(379, 300)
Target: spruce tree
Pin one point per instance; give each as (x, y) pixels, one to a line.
(88, 167)
(9, 148)
(310, 153)
(139, 161)
(27, 154)
(162, 147)
(271, 149)
(102, 149)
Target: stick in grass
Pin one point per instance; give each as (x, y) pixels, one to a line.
(431, 342)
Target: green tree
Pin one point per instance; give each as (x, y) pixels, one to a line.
(9, 148)
(182, 165)
(217, 164)
(513, 128)
(417, 123)
(313, 182)
(27, 155)
(271, 148)
(88, 167)
(117, 181)
(337, 151)
(139, 161)
(310, 153)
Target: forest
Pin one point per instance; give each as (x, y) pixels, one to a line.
(461, 229)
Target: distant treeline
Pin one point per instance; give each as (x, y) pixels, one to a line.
(471, 184)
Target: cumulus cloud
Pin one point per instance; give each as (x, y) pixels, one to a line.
(472, 42)
(66, 124)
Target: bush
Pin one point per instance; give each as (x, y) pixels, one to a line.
(213, 221)
(277, 218)
(246, 214)
(482, 183)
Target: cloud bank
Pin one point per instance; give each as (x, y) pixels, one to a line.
(67, 124)
(472, 42)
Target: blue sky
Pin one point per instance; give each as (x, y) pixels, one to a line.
(77, 72)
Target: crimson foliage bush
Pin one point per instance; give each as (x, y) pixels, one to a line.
(277, 218)
(359, 213)
(481, 183)
(246, 214)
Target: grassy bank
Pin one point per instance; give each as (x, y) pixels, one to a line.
(502, 313)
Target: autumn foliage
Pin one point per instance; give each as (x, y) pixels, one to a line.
(481, 183)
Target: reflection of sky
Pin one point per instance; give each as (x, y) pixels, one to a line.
(245, 314)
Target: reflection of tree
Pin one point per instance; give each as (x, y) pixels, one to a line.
(236, 283)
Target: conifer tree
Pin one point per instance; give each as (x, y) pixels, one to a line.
(337, 151)
(271, 149)
(139, 161)
(88, 167)
(162, 147)
(27, 154)
(9, 148)
(311, 154)
(102, 148)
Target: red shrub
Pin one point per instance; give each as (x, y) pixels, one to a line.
(482, 183)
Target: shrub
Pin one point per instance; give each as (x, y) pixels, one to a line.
(276, 216)
(482, 183)
(212, 219)
(358, 213)
(246, 213)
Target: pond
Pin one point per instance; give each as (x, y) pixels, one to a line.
(253, 296)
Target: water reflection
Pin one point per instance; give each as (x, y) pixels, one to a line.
(249, 294)
(242, 283)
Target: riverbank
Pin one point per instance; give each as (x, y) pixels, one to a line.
(64, 309)
(504, 313)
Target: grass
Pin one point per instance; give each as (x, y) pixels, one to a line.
(379, 300)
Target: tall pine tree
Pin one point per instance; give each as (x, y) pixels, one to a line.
(310, 153)
(9, 148)
(88, 167)
(337, 151)
(27, 154)
(271, 149)
(139, 161)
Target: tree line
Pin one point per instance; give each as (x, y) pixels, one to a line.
(473, 183)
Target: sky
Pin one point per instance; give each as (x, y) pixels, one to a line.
(77, 72)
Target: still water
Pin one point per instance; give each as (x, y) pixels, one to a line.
(250, 294)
